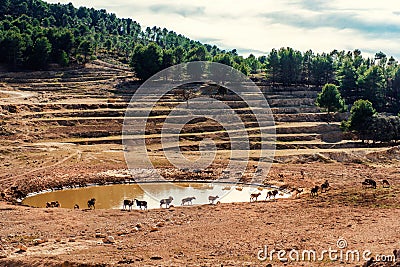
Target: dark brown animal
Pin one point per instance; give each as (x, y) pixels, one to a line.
(314, 191)
(324, 186)
(254, 196)
(76, 207)
(187, 200)
(212, 199)
(91, 203)
(128, 203)
(53, 204)
(141, 203)
(369, 183)
(271, 194)
(166, 202)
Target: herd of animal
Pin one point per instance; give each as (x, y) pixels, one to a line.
(367, 183)
(128, 204)
(166, 202)
(372, 183)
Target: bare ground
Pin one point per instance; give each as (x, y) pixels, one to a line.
(46, 143)
(210, 235)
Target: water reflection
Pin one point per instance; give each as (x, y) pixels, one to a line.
(112, 196)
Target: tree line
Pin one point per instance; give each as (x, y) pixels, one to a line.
(34, 34)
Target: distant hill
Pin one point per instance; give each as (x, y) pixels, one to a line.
(37, 35)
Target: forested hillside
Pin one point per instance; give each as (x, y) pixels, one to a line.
(35, 34)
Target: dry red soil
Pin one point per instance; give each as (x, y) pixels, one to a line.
(62, 128)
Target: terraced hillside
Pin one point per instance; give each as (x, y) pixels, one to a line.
(73, 119)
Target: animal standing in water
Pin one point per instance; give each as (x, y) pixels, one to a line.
(91, 203)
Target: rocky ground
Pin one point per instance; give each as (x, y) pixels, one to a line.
(63, 129)
(211, 235)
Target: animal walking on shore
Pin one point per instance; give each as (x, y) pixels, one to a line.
(166, 202)
(212, 199)
(187, 200)
(271, 194)
(127, 203)
(141, 203)
(254, 196)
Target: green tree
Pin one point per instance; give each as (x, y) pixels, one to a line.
(322, 69)
(40, 53)
(382, 128)
(179, 54)
(290, 65)
(253, 63)
(330, 98)
(273, 67)
(347, 77)
(223, 59)
(4, 7)
(63, 59)
(12, 47)
(243, 68)
(146, 60)
(361, 114)
(86, 48)
(168, 58)
(373, 85)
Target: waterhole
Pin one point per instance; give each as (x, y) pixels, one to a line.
(112, 196)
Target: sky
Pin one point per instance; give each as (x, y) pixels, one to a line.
(257, 26)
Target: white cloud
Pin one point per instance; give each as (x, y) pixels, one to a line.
(368, 25)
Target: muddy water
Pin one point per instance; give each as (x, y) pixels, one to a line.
(112, 196)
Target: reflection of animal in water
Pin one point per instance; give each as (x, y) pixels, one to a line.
(128, 203)
(212, 199)
(254, 196)
(370, 183)
(271, 194)
(324, 186)
(53, 204)
(76, 207)
(385, 184)
(141, 203)
(314, 191)
(166, 202)
(187, 200)
(91, 202)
